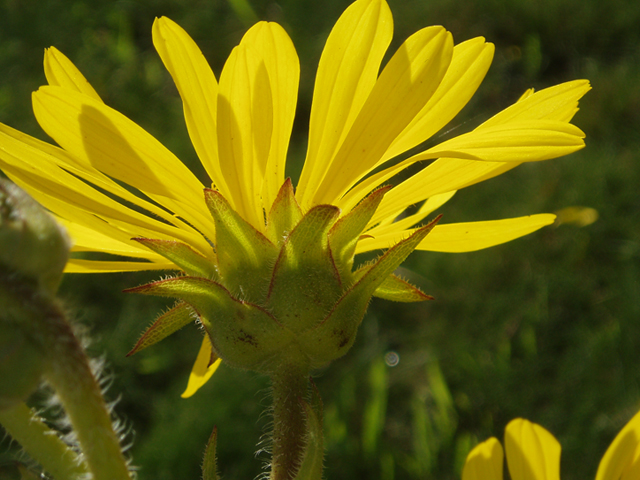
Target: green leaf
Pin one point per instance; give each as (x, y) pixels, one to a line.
(209, 463)
(311, 465)
(242, 334)
(185, 257)
(166, 324)
(284, 215)
(245, 256)
(305, 283)
(344, 235)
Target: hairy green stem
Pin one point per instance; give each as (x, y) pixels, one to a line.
(289, 387)
(42, 443)
(70, 374)
(37, 314)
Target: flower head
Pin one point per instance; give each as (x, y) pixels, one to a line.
(534, 454)
(266, 266)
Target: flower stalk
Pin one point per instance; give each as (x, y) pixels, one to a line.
(289, 387)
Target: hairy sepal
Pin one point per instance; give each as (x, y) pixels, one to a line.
(333, 337)
(241, 333)
(209, 462)
(396, 289)
(305, 283)
(184, 256)
(245, 256)
(165, 325)
(344, 235)
(284, 215)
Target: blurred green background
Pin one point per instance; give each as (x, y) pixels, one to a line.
(545, 327)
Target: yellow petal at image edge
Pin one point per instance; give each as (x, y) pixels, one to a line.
(201, 371)
(622, 459)
(532, 452)
(484, 462)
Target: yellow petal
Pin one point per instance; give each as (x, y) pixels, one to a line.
(443, 175)
(87, 239)
(406, 84)
(622, 459)
(60, 71)
(201, 371)
(484, 462)
(245, 126)
(105, 139)
(469, 65)
(559, 103)
(464, 237)
(76, 265)
(346, 75)
(198, 89)
(31, 154)
(522, 141)
(275, 49)
(532, 452)
(433, 203)
(36, 170)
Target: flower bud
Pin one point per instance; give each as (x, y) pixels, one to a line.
(32, 244)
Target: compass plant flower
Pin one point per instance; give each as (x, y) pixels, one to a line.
(534, 454)
(268, 269)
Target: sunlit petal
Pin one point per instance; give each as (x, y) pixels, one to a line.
(464, 237)
(198, 89)
(86, 239)
(346, 75)
(30, 154)
(60, 71)
(443, 175)
(76, 265)
(99, 136)
(275, 49)
(65, 194)
(433, 203)
(559, 103)
(469, 65)
(406, 84)
(245, 127)
(525, 141)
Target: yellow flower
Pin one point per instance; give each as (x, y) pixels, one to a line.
(534, 454)
(361, 122)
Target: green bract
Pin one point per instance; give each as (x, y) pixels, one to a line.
(289, 298)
